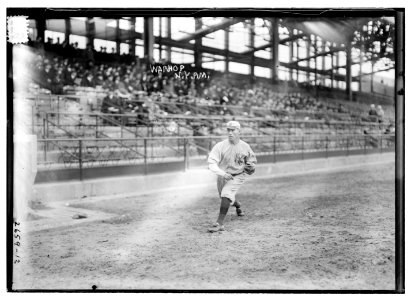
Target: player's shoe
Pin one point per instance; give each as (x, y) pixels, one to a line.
(216, 228)
(240, 213)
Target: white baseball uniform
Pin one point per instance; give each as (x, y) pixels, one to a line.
(226, 157)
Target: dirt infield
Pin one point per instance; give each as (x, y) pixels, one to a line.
(329, 230)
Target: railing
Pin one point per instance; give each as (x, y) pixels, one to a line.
(57, 103)
(72, 123)
(81, 154)
(139, 125)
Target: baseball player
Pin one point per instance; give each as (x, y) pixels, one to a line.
(231, 160)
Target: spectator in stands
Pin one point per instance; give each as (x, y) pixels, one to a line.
(380, 114)
(111, 104)
(99, 81)
(109, 83)
(57, 82)
(88, 80)
(372, 111)
(46, 76)
(71, 78)
(372, 114)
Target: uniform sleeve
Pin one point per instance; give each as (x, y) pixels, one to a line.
(214, 159)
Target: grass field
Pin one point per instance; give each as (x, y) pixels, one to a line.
(326, 230)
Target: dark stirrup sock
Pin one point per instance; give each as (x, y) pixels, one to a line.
(225, 205)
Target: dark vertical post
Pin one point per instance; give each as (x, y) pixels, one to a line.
(399, 150)
(332, 70)
(348, 145)
(96, 126)
(316, 67)
(58, 110)
(160, 38)
(274, 50)
(132, 41)
(348, 67)
(121, 126)
(302, 147)
(67, 29)
(326, 147)
(168, 48)
(145, 156)
(148, 38)
(274, 149)
(198, 59)
(47, 125)
(252, 57)
(118, 37)
(297, 46)
(315, 64)
(44, 128)
(226, 49)
(45, 151)
(361, 62)
(41, 28)
(185, 154)
(323, 62)
(90, 30)
(80, 158)
(290, 54)
(308, 54)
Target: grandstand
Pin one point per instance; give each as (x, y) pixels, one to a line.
(146, 93)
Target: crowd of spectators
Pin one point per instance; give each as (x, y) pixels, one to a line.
(132, 86)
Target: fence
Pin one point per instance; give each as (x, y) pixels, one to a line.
(151, 153)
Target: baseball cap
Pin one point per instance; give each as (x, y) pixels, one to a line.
(233, 124)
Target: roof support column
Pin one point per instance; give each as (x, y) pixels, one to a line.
(308, 77)
(337, 69)
(316, 67)
(290, 54)
(348, 77)
(361, 62)
(226, 49)
(148, 38)
(198, 60)
(41, 27)
(315, 61)
(160, 38)
(132, 41)
(168, 48)
(274, 50)
(252, 58)
(372, 75)
(67, 30)
(118, 36)
(297, 57)
(90, 31)
(332, 70)
(323, 63)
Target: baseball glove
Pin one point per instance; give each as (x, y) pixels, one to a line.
(249, 168)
